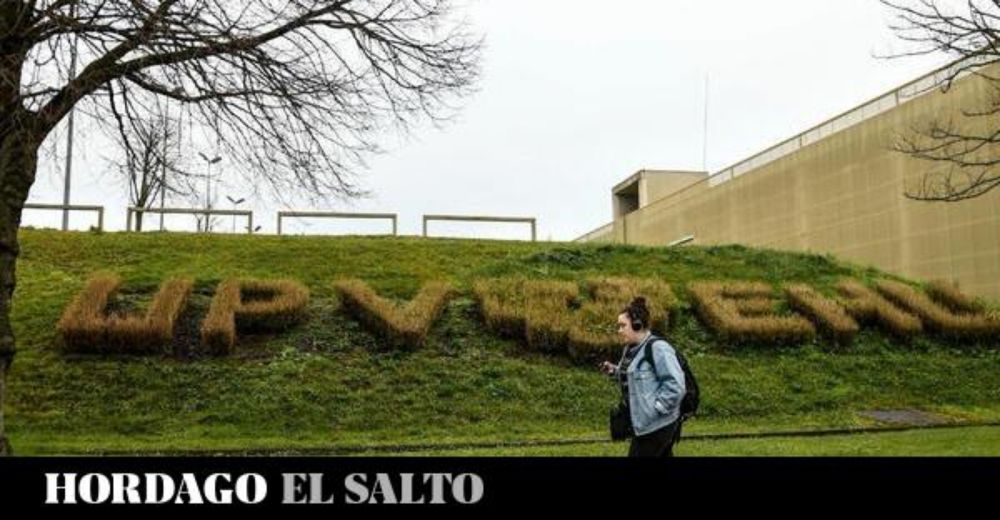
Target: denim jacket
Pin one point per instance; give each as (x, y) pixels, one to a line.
(654, 393)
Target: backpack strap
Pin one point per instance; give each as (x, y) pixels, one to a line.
(647, 356)
(647, 352)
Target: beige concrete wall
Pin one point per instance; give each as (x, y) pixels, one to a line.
(844, 195)
(605, 233)
(645, 187)
(657, 184)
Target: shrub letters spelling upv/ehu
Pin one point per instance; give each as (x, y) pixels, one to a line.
(546, 315)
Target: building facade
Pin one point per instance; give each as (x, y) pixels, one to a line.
(836, 188)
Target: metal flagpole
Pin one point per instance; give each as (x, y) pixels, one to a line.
(704, 150)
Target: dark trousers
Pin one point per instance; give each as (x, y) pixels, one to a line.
(659, 443)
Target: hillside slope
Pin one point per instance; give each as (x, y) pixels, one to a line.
(327, 383)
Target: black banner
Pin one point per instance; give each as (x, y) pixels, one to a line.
(468, 484)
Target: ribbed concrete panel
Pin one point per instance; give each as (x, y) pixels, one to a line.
(843, 194)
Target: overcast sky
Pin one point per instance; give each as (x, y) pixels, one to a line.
(576, 96)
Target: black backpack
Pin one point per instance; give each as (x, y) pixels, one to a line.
(689, 404)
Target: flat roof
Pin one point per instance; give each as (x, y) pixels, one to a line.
(635, 177)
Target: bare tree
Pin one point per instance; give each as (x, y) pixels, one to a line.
(298, 91)
(150, 161)
(204, 223)
(962, 152)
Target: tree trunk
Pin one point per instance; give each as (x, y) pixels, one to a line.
(18, 160)
(20, 137)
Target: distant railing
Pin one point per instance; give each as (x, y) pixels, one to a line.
(189, 211)
(852, 117)
(72, 207)
(464, 218)
(327, 214)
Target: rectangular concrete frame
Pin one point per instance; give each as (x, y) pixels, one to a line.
(189, 211)
(839, 188)
(477, 218)
(329, 214)
(72, 207)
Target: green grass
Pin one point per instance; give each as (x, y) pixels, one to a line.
(959, 442)
(327, 384)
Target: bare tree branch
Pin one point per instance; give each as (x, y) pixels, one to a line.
(963, 156)
(297, 92)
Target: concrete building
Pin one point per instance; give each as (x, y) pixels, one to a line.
(836, 188)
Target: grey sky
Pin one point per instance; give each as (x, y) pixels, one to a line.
(576, 96)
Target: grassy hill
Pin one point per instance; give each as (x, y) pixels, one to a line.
(326, 383)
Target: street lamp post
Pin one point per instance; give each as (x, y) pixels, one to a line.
(208, 186)
(235, 202)
(69, 130)
(177, 91)
(163, 165)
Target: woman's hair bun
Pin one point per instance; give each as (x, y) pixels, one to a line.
(637, 311)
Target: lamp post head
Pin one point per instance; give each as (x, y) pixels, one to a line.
(209, 161)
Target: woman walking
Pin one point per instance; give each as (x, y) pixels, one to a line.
(652, 383)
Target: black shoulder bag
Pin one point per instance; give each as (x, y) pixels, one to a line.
(621, 421)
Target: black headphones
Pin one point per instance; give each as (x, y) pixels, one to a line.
(637, 324)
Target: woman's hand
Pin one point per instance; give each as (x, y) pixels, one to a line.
(607, 367)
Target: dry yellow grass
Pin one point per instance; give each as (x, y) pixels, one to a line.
(536, 311)
(271, 305)
(755, 306)
(251, 306)
(218, 329)
(403, 326)
(594, 336)
(618, 292)
(745, 290)
(551, 316)
(547, 315)
(830, 317)
(941, 319)
(501, 303)
(86, 327)
(717, 303)
(949, 295)
(83, 325)
(867, 306)
(153, 332)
